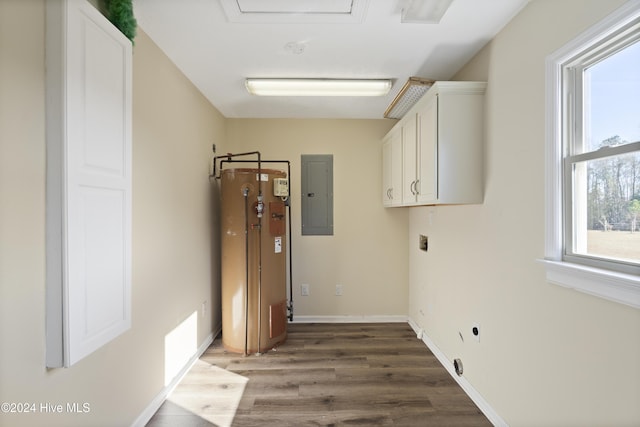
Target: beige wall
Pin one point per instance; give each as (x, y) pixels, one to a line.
(175, 267)
(548, 356)
(367, 254)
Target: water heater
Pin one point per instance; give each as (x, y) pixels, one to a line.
(253, 227)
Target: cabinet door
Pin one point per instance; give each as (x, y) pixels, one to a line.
(392, 170)
(409, 161)
(427, 183)
(396, 170)
(89, 181)
(387, 171)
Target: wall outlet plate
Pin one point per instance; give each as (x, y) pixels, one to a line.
(304, 290)
(338, 290)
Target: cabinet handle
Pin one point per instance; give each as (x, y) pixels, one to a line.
(416, 187)
(413, 188)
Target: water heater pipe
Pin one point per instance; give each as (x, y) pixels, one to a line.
(288, 204)
(245, 193)
(259, 281)
(260, 209)
(230, 156)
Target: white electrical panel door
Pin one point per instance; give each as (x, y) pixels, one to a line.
(88, 181)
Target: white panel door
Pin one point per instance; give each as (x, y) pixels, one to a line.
(409, 160)
(387, 162)
(93, 144)
(427, 186)
(396, 170)
(392, 170)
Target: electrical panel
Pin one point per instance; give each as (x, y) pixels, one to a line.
(317, 194)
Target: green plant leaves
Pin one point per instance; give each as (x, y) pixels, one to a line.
(120, 13)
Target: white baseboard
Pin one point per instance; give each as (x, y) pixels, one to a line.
(351, 319)
(477, 398)
(157, 401)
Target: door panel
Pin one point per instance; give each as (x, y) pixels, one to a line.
(317, 194)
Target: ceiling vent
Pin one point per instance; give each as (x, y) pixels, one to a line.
(410, 93)
(295, 11)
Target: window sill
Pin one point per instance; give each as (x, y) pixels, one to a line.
(613, 286)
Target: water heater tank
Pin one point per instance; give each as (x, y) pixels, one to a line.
(254, 298)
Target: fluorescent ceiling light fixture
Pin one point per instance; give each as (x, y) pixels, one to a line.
(318, 87)
(410, 93)
(425, 11)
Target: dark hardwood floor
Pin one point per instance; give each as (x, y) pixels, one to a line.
(376, 374)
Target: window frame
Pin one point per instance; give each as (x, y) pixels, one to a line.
(591, 278)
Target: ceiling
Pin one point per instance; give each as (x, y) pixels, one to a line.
(219, 43)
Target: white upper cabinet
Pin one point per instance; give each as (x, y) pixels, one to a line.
(442, 146)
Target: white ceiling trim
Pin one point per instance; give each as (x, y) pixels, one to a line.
(295, 12)
(295, 6)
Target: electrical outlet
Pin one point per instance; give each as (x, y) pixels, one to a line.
(338, 290)
(304, 290)
(423, 242)
(475, 331)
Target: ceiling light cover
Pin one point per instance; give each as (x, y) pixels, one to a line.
(318, 87)
(410, 93)
(425, 11)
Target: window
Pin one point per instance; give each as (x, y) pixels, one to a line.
(593, 160)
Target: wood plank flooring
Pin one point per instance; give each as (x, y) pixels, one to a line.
(323, 375)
